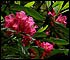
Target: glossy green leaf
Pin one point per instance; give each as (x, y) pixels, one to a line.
(48, 3)
(61, 31)
(65, 31)
(66, 6)
(56, 9)
(62, 34)
(60, 5)
(42, 29)
(33, 13)
(1, 18)
(29, 4)
(58, 41)
(61, 26)
(56, 51)
(29, 11)
(65, 11)
(57, 6)
(37, 34)
(16, 8)
(66, 51)
(17, 2)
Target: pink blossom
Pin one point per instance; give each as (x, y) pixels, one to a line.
(21, 23)
(47, 46)
(62, 19)
(52, 12)
(22, 15)
(47, 32)
(9, 21)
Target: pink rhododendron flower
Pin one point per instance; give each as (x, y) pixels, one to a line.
(21, 15)
(48, 32)
(62, 19)
(9, 21)
(47, 46)
(21, 23)
(52, 12)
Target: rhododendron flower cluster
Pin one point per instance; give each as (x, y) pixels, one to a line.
(61, 19)
(47, 46)
(21, 23)
(34, 32)
(47, 49)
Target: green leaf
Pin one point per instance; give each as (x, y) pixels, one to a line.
(48, 3)
(33, 13)
(7, 12)
(29, 11)
(1, 18)
(43, 7)
(57, 6)
(56, 51)
(61, 34)
(29, 4)
(3, 7)
(17, 2)
(66, 6)
(61, 26)
(61, 31)
(42, 29)
(65, 31)
(60, 5)
(65, 11)
(16, 7)
(66, 51)
(56, 9)
(58, 41)
(37, 34)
